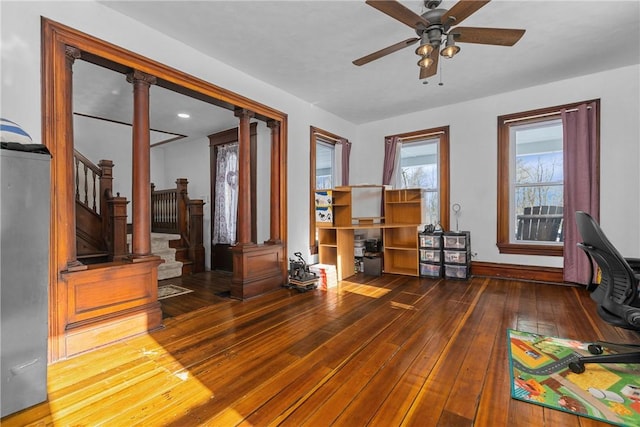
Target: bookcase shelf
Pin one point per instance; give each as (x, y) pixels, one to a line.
(403, 211)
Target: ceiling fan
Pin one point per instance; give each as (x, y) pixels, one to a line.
(436, 28)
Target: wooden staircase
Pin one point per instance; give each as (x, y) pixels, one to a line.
(102, 230)
(161, 246)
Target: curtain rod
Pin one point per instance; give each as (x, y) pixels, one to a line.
(338, 140)
(537, 116)
(423, 135)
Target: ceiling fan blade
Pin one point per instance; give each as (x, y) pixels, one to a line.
(461, 11)
(433, 69)
(494, 36)
(386, 51)
(399, 12)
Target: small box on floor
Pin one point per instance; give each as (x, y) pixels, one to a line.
(373, 265)
(327, 275)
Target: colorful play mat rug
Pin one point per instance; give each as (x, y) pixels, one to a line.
(539, 374)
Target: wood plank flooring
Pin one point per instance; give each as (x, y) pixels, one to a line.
(379, 351)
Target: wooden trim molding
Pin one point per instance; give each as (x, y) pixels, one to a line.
(57, 135)
(520, 272)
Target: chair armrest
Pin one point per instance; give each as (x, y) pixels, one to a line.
(634, 263)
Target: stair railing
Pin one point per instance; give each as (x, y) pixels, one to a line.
(94, 190)
(173, 212)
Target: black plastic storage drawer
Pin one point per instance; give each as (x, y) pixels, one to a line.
(430, 241)
(430, 255)
(456, 271)
(430, 270)
(455, 257)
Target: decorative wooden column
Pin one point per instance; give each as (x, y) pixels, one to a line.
(244, 178)
(67, 221)
(141, 191)
(274, 223)
(256, 268)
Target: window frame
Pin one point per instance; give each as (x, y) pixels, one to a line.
(504, 196)
(441, 133)
(316, 134)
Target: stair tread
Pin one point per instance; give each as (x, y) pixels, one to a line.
(93, 255)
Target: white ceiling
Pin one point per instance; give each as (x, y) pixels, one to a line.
(306, 48)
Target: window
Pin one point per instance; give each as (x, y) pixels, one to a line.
(325, 164)
(325, 172)
(422, 161)
(418, 168)
(531, 182)
(537, 183)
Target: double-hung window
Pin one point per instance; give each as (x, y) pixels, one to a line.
(418, 168)
(531, 182)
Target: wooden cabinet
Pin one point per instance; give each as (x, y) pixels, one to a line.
(403, 214)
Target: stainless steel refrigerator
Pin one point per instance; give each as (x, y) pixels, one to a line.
(24, 277)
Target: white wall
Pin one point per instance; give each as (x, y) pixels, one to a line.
(20, 43)
(473, 140)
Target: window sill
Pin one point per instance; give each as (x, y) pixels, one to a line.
(544, 250)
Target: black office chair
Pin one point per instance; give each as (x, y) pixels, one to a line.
(616, 294)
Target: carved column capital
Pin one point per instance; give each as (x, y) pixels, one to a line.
(243, 113)
(274, 125)
(139, 77)
(72, 53)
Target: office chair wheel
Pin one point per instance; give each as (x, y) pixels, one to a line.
(595, 348)
(577, 367)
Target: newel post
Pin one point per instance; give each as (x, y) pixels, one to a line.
(182, 209)
(196, 238)
(117, 208)
(106, 190)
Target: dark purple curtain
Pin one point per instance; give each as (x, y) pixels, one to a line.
(390, 147)
(346, 153)
(581, 184)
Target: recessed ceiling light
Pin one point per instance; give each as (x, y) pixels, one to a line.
(183, 115)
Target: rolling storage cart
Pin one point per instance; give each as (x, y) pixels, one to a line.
(457, 254)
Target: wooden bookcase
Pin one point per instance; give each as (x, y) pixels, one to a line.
(402, 215)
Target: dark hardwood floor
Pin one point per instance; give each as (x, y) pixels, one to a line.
(208, 288)
(379, 351)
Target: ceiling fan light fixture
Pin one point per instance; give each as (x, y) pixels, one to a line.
(425, 61)
(450, 49)
(424, 49)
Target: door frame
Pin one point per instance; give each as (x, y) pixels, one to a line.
(56, 87)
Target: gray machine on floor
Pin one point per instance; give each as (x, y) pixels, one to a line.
(24, 271)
